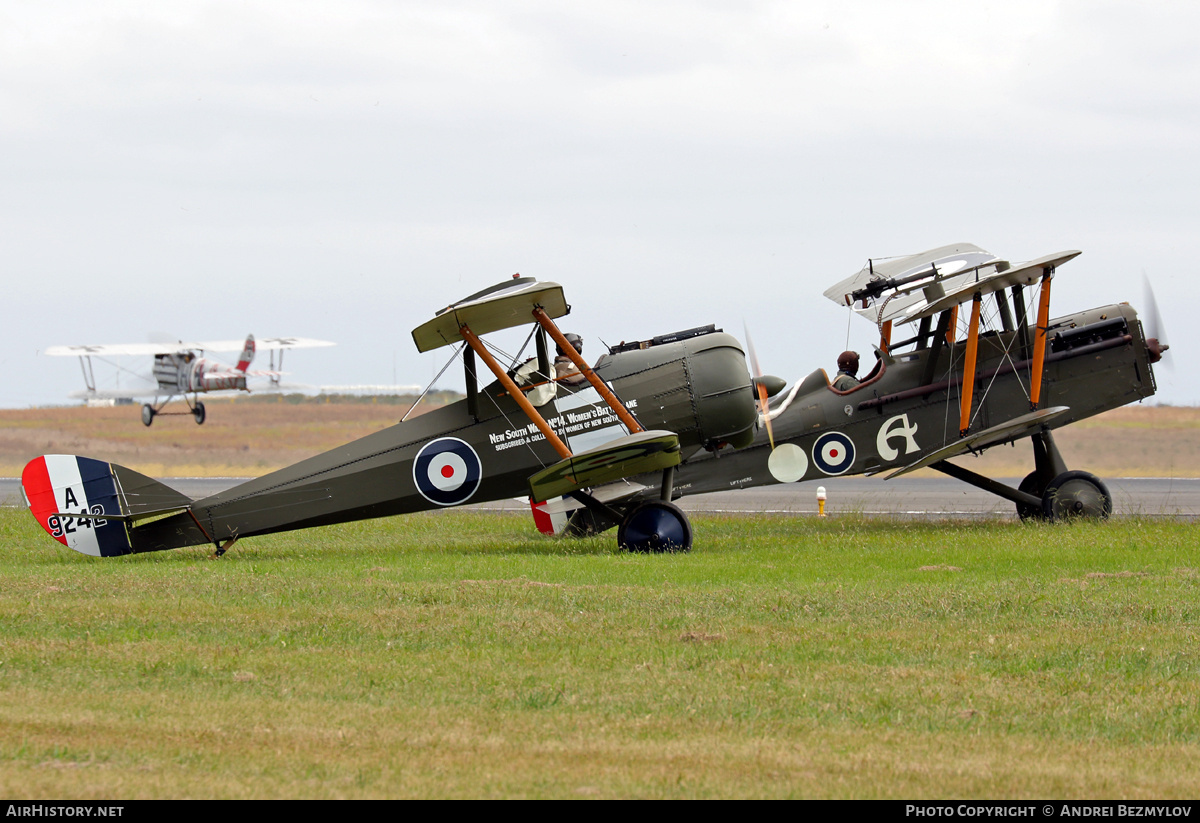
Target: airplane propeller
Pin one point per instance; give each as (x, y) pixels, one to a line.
(760, 390)
(787, 462)
(1156, 337)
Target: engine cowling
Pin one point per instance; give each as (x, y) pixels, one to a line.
(699, 388)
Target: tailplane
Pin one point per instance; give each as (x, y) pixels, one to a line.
(90, 506)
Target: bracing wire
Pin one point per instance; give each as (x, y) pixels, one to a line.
(516, 358)
(457, 354)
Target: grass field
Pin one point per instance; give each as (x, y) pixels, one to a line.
(458, 654)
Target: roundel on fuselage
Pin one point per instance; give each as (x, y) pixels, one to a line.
(833, 453)
(447, 471)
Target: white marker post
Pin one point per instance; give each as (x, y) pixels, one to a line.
(820, 501)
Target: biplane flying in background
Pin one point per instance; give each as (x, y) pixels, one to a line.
(180, 369)
(672, 415)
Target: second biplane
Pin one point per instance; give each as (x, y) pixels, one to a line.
(180, 369)
(985, 364)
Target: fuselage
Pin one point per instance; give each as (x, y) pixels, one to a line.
(185, 373)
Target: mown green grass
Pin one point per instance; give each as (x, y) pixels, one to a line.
(459, 654)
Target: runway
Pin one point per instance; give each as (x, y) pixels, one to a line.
(917, 497)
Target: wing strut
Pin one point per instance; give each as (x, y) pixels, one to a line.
(517, 395)
(604, 391)
(1039, 339)
(968, 378)
(89, 377)
(885, 337)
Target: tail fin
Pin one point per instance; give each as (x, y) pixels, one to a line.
(247, 354)
(88, 505)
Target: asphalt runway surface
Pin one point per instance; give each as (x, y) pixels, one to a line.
(910, 497)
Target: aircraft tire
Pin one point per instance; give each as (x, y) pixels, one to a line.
(1076, 494)
(198, 413)
(655, 526)
(1031, 485)
(147, 414)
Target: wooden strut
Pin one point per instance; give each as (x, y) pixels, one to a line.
(968, 381)
(611, 399)
(517, 395)
(885, 337)
(1039, 341)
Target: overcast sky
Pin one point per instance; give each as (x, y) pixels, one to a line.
(341, 170)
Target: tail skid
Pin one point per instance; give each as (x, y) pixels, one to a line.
(90, 506)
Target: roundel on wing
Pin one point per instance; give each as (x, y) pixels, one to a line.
(833, 453)
(447, 471)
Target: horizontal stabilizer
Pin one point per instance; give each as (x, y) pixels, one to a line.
(143, 496)
(1004, 433)
(87, 504)
(624, 457)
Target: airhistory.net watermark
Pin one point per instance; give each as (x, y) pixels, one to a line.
(63, 810)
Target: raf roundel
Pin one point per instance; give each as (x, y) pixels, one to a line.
(833, 453)
(447, 471)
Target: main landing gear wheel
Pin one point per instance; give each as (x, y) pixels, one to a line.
(198, 413)
(1032, 484)
(147, 414)
(656, 526)
(1076, 494)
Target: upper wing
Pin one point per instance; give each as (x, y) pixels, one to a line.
(508, 304)
(899, 283)
(148, 349)
(121, 349)
(908, 288)
(261, 345)
(285, 343)
(1023, 274)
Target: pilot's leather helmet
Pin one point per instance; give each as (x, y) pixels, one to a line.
(848, 362)
(575, 340)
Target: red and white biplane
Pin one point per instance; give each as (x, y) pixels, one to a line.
(181, 370)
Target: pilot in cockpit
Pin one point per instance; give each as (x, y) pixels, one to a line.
(847, 376)
(565, 371)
